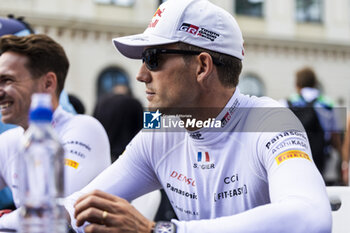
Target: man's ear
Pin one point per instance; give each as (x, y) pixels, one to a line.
(50, 82)
(205, 67)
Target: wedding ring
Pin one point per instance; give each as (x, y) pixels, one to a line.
(104, 216)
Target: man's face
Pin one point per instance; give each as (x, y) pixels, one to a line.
(172, 85)
(16, 88)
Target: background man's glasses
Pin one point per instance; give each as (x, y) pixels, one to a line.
(150, 56)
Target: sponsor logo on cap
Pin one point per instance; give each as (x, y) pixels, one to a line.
(155, 19)
(189, 28)
(139, 38)
(197, 31)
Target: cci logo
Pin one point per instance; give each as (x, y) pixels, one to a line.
(151, 120)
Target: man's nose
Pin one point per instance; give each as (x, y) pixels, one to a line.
(144, 74)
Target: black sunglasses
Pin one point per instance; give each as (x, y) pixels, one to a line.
(150, 56)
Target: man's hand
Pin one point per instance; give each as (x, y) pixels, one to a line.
(108, 213)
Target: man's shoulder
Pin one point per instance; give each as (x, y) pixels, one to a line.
(11, 134)
(269, 115)
(264, 102)
(86, 130)
(10, 142)
(65, 122)
(82, 120)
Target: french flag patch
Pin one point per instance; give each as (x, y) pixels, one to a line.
(203, 157)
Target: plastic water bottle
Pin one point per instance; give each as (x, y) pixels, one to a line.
(42, 178)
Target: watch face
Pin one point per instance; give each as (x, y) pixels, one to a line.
(165, 227)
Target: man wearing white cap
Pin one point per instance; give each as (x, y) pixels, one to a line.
(253, 174)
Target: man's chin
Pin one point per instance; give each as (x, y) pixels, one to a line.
(8, 122)
(166, 110)
(5, 119)
(155, 107)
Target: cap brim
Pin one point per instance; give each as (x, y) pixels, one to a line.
(133, 46)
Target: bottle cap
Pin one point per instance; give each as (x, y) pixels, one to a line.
(41, 107)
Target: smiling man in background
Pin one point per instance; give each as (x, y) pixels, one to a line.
(36, 63)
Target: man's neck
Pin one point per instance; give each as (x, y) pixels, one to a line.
(211, 105)
(55, 105)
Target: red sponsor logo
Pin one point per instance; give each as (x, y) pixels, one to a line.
(189, 28)
(182, 177)
(153, 23)
(193, 29)
(155, 19)
(227, 116)
(158, 13)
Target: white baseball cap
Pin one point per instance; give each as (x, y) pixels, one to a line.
(195, 22)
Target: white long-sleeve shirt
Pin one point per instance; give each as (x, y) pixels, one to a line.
(86, 148)
(255, 175)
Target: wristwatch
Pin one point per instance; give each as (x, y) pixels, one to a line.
(164, 227)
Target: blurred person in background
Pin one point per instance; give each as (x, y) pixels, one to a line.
(76, 103)
(318, 116)
(36, 63)
(121, 115)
